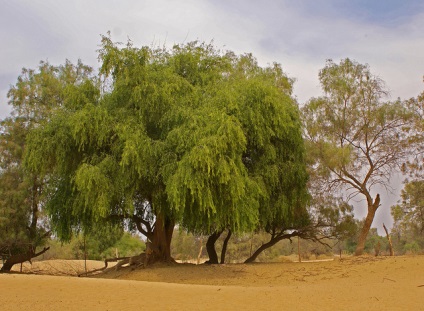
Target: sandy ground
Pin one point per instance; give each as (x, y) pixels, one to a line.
(364, 283)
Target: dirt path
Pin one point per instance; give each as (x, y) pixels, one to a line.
(358, 284)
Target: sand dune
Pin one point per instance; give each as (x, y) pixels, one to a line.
(364, 283)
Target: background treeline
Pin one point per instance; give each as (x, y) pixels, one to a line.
(94, 247)
(186, 247)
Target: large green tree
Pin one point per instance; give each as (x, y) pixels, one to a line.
(34, 98)
(358, 138)
(176, 136)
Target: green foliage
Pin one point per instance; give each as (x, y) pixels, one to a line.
(93, 248)
(128, 245)
(409, 215)
(412, 248)
(408, 229)
(14, 189)
(37, 95)
(415, 164)
(190, 134)
(40, 93)
(374, 243)
(356, 137)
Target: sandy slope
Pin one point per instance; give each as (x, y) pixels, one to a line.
(364, 283)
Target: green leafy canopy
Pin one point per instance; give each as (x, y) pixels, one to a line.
(204, 137)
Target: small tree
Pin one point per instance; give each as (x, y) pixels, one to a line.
(34, 98)
(358, 139)
(409, 215)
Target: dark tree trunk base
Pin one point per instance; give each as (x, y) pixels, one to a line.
(210, 247)
(21, 258)
(372, 208)
(224, 246)
(159, 248)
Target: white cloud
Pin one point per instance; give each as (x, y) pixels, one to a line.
(298, 35)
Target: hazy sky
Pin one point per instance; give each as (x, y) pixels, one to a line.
(299, 34)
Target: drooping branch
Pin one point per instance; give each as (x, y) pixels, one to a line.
(148, 233)
(139, 223)
(272, 241)
(313, 232)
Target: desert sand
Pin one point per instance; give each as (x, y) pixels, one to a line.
(355, 283)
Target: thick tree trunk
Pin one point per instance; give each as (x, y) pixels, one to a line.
(161, 240)
(274, 240)
(20, 258)
(210, 247)
(224, 246)
(372, 208)
(270, 243)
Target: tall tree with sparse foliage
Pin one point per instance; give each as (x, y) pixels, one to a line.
(359, 139)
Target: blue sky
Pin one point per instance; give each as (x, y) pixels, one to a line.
(301, 35)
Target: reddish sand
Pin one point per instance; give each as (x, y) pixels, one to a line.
(364, 283)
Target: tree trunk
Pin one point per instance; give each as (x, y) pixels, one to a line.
(210, 247)
(200, 250)
(161, 240)
(298, 249)
(392, 253)
(270, 243)
(224, 246)
(274, 240)
(372, 208)
(20, 258)
(32, 228)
